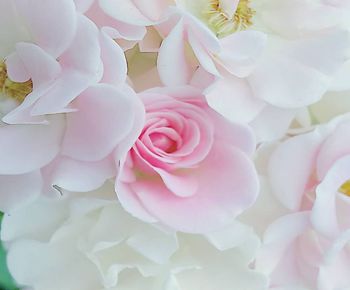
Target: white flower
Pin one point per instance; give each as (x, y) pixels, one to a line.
(84, 242)
(307, 44)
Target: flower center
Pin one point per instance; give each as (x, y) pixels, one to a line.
(224, 22)
(345, 188)
(13, 90)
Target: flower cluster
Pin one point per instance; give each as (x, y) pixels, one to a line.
(175, 144)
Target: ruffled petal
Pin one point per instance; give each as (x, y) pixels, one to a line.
(103, 118)
(79, 176)
(51, 24)
(173, 66)
(216, 202)
(291, 166)
(24, 148)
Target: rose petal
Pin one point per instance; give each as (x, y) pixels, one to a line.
(173, 66)
(79, 176)
(18, 190)
(51, 24)
(216, 202)
(24, 148)
(104, 118)
(291, 166)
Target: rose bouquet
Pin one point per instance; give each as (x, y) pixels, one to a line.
(175, 144)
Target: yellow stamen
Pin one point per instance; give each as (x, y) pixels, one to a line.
(11, 89)
(222, 23)
(345, 188)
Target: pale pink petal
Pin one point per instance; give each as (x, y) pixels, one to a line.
(83, 5)
(51, 24)
(236, 134)
(79, 176)
(84, 52)
(301, 73)
(265, 126)
(152, 9)
(203, 34)
(278, 237)
(217, 200)
(81, 66)
(114, 61)
(39, 65)
(290, 19)
(125, 11)
(103, 118)
(283, 82)
(203, 56)
(131, 202)
(137, 125)
(16, 70)
(334, 271)
(291, 166)
(334, 147)
(241, 51)
(24, 148)
(202, 79)
(324, 214)
(114, 28)
(11, 28)
(233, 98)
(58, 97)
(17, 190)
(173, 66)
(181, 184)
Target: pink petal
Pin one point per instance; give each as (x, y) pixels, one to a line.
(39, 65)
(233, 98)
(105, 116)
(131, 203)
(81, 66)
(138, 122)
(173, 66)
(125, 11)
(265, 126)
(16, 70)
(113, 27)
(24, 148)
(17, 190)
(241, 51)
(84, 52)
(51, 24)
(182, 184)
(114, 61)
(291, 166)
(324, 215)
(83, 5)
(203, 56)
(216, 202)
(335, 146)
(300, 73)
(79, 176)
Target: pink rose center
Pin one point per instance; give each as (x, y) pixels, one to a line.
(163, 142)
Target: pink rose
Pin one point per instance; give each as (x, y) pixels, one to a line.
(64, 126)
(310, 174)
(298, 257)
(189, 168)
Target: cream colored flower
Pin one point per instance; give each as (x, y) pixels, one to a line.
(84, 242)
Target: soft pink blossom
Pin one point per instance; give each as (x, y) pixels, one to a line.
(70, 127)
(189, 168)
(298, 257)
(310, 174)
